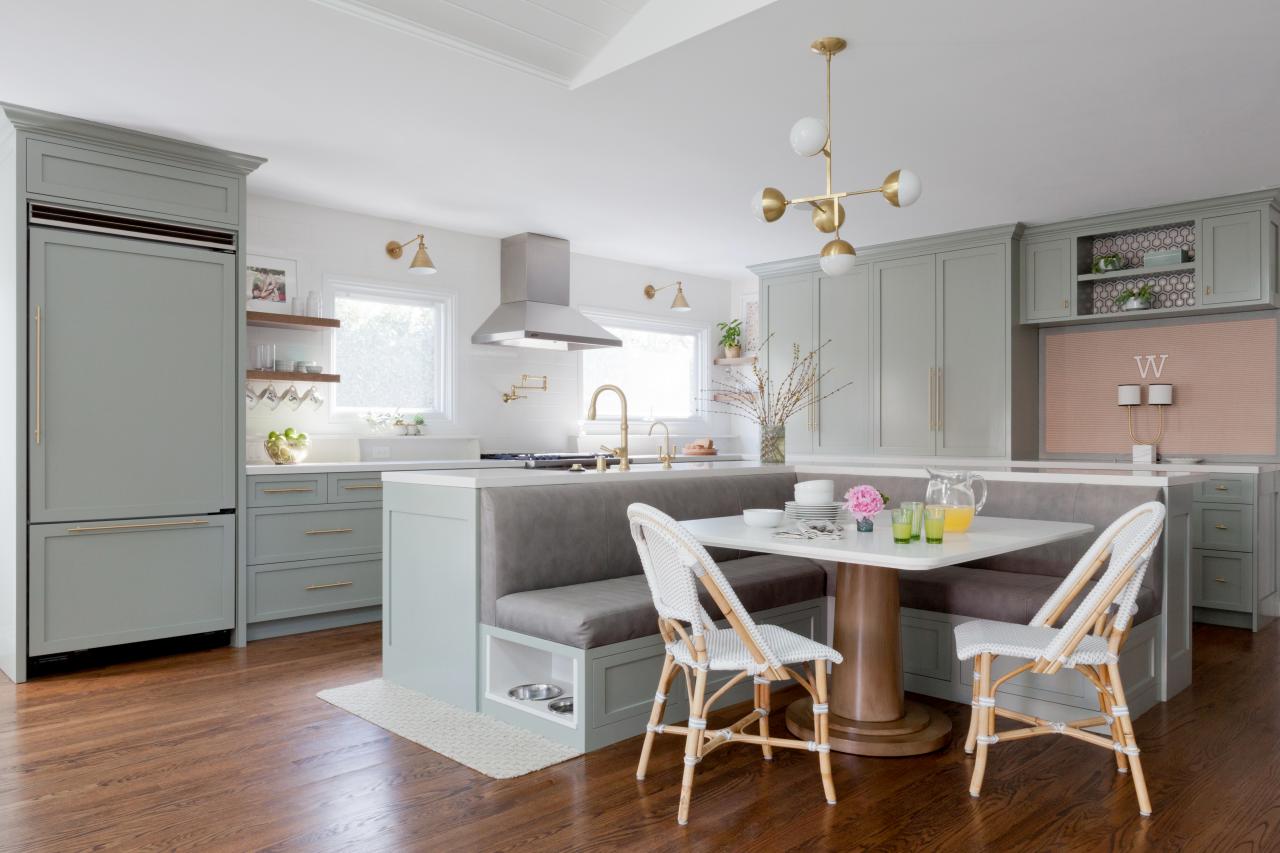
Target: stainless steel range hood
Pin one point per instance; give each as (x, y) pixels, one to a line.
(535, 308)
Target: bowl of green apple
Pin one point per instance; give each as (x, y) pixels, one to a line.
(288, 447)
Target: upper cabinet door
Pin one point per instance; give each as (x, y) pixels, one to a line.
(1048, 279)
(844, 319)
(789, 309)
(132, 390)
(1231, 259)
(904, 359)
(973, 327)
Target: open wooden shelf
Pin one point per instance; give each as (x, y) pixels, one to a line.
(289, 321)
(733, 362)
(290, 376)
(1137, 272)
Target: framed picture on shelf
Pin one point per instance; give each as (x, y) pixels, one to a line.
(271, 282)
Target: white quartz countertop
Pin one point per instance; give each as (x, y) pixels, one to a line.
(508, 477)
(978, 464)
(385, 465)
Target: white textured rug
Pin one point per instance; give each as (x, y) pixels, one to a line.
(482, 743)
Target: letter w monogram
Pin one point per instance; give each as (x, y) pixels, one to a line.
(1148, 363)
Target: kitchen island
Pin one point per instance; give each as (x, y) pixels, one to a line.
(472, 555)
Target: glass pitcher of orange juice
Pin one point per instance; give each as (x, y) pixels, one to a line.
(955, 491)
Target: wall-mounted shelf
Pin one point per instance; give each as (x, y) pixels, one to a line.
(1137, 272)
(289, 321)
(734, 362)
(290, 376)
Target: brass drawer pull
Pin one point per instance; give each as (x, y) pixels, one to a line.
(290, 491)
(1220, 526)
(328, 531)
(362, 486)
(1222, 487)
(39, 376)
(113, 528)
(1219, 580)
(328, 585)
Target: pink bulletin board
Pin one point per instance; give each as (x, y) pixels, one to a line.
(1223, 373)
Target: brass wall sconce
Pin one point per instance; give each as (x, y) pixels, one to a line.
(677, 304)
(1130, 396)
(515, 394)
(421, 263)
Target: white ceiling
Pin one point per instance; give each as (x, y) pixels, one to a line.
(1009, 110)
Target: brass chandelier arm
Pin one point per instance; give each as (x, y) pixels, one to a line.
(830, 196)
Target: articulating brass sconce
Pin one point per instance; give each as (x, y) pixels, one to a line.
(810, 136)
(515, 389)
(421, 263)
(677, 304)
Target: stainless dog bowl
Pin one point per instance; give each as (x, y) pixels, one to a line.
(535, 692)
(562, 706)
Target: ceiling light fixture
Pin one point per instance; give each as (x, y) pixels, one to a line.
(810, 136)
(677, 304)
(421, 263)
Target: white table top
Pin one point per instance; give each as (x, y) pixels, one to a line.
(986, 538)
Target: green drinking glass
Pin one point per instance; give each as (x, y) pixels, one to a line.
(917, 517)
(902, 525)
(935, 518)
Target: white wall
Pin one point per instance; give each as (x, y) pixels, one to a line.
(746, 434)
(333, 243)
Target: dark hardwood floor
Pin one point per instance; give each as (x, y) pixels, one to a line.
(228, 749)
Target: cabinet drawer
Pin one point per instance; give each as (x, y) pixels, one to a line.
(1222, 579)
(293, 589)
(1225, 527)
(287, 490)
(1228, 488)
(355, 488)
(84, 174)
(104, 583)
(281, 534)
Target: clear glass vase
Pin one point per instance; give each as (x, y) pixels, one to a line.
(773, 444)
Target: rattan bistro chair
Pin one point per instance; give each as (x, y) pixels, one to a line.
(1089, 642)
(674, 563)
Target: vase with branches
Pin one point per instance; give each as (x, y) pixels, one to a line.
(769, 402)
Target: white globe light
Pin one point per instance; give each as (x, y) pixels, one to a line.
(757, 205)
(808, 136)
(768, 204)
(906, 188)
(837, 258)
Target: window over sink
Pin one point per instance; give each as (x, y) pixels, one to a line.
(394, 350)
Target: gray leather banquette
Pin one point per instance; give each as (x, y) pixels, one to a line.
(558, 562)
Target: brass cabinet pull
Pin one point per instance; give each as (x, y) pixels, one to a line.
(289, 491)
(115, 528)
(1219, 580)
(362, 486)
(39, 374)
(328, 585)
(1066, 303)
(933, 396)
(1222, 487)
(329, 530)
(941, 418)
(1220, 526)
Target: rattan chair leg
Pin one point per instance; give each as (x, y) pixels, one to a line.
(986, 723)
(971, 739)
(693, 742)
(763, 698)
(655, 715)
(1129, 742)
(1117, 734)
(822, 731)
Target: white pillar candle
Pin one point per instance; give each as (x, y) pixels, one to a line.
(1129, 395)
(1160, 395)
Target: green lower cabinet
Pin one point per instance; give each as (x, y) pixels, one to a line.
(1222, 580)
(105, 583)
(285, 590)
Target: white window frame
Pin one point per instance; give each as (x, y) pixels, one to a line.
(702, 333)
(335, 286)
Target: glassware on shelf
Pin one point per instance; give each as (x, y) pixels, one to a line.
(264, 357)
(313, 304)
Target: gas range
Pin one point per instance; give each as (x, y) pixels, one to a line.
(549, 460)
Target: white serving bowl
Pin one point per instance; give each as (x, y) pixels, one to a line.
(762, 517)
(815, 491)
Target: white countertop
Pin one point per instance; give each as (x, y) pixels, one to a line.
(978, 464)
(1012, 473)
(434, 465)
(474, 478)
(987, 537)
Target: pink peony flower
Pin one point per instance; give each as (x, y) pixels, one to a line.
(864, 501)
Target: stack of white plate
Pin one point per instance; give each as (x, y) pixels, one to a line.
(829, 511)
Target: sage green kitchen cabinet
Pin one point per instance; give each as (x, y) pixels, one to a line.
(1231, 262)
(971, 375)
(115, 416)
(105, 583)
(904, 307)
(789, 305)
(1048, 278)
(843, 322)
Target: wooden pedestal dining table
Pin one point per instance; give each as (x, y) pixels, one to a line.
(870, 714)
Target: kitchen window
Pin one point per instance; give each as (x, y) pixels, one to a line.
(394, 350)
(661, 366)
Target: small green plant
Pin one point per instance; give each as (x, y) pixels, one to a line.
(1145, 293)
(419, 420)
(730, 333)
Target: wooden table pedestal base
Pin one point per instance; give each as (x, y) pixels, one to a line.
(921, 729)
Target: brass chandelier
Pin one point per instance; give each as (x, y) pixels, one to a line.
(811, 136)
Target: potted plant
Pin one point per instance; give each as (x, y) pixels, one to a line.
(1108, 263)
(731, 338)
(1136, 299)
(863, 502)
